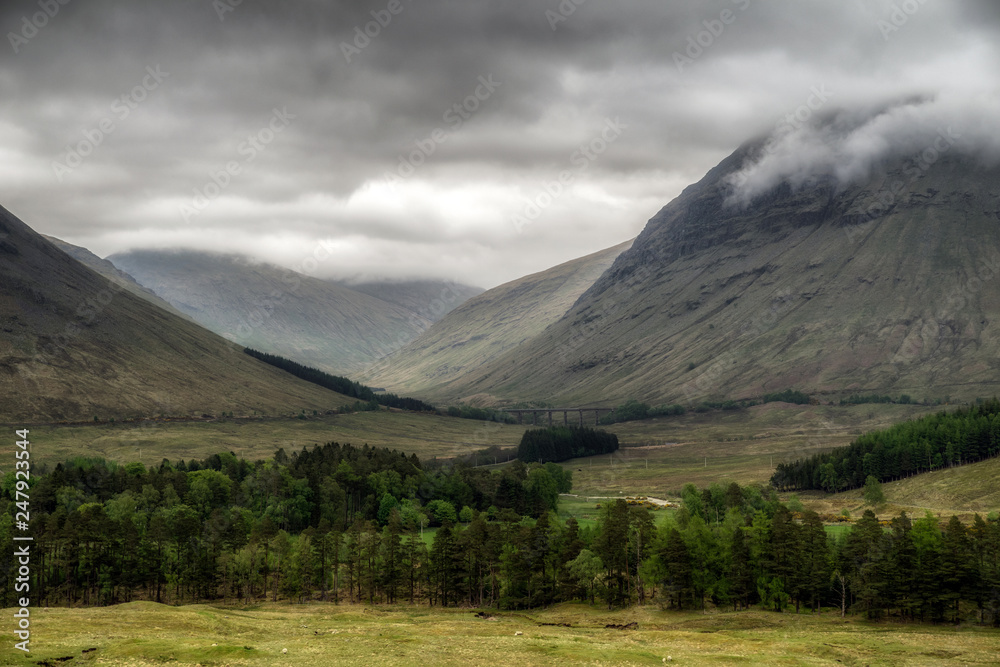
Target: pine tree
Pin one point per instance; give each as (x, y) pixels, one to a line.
(611, 545)
(352, 561)
(900, 573)
(475, 539)
(413, 562)
(740, 570)
(785, 554)
(641, 531)
(392, 555)
(570, 546)
(370, 547)
(927, 542)
(446, 565)
(959, 575)
(540, 585)
(677, 585)
(815, 560)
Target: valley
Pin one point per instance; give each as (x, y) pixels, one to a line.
(657, 456)
(485, 327)
(427, 436)
(484, 333)
(320, 323)
(244, 489)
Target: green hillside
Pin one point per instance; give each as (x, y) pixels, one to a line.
(964, 490)
(74, 346)
(487, 326)
(821, 289)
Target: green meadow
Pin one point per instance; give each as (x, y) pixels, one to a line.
(427, 436)
(142, 634)
(657, 458)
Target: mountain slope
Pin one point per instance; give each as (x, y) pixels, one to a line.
(74, 345)
(312, 321)
(430, 299)
(885, 284)
(112, 273)
(486, 326)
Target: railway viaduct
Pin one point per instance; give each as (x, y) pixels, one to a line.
(534, 412)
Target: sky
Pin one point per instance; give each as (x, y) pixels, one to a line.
(467, 140)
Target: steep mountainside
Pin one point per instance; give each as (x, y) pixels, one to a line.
(888, 283)
(74, 345)
(112, 273)
(430, 299)
(312, 321)
(488, 325)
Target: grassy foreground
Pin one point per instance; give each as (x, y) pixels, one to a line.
(145, 633)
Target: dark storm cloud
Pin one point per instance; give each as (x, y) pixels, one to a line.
(358, 114)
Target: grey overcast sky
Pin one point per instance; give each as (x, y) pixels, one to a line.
(434, 145)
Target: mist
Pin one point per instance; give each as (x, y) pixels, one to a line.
(848, 144)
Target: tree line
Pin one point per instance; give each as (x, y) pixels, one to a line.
(105, 533)
(935, 441)
(341, 385)
(481, 414)
(633, 410)
(787, 396)
(181, 534)
(862, 399)
(561, 443)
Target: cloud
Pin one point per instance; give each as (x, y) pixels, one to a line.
(847, 145)
(324, 177)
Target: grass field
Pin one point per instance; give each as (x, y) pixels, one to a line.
(738, 445)
(838, 530)
(144, 633)
(660, 455)
(963, 490)
(583, 509)
(657, 458)
(426, 435)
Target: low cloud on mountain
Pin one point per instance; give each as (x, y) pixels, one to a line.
(848, 144)
(282, 123)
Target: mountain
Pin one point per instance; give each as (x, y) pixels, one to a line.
(885, 283)
(112, 273)
(488, 325)
(74, 345)
(276, 310)
(430, 299)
